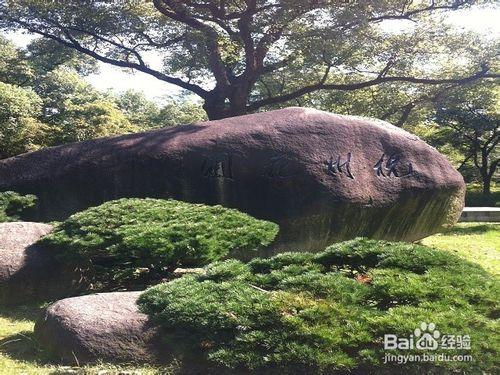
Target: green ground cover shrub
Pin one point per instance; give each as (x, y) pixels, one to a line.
(328, 312)
(129, 243)
(14, 206)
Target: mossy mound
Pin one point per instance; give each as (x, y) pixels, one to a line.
(131, 243)
(14, 206)
(329, 312)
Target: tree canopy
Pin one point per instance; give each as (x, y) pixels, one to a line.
(241, 56)
(468, 120)
(45, 101)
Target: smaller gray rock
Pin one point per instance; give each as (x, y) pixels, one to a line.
(103, 326)
(27, 272)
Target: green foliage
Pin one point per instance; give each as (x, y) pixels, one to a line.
(14, 67)
(146, 114)
(76, 111)
(181, 112)
(14, 206)
(140, 111)
(134, 242)
(469, 121)
(20, 129)
(45, 101)
(327, 312)
(46, 55)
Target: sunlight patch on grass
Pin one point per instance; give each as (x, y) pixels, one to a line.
(476, 242)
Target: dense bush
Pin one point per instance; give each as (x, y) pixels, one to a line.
(133, 242)
(14, 206)
(328, 312)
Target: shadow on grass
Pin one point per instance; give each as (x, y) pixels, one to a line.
(473, 229)
(25, 312)
(23, 347)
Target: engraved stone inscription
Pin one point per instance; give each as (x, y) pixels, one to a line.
(278, 167)
(218, 166)
(387, 167)
(335, 167)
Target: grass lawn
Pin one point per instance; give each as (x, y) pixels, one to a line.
(477, 242)
(19, 354)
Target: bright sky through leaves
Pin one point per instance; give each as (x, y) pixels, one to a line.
(481, 20)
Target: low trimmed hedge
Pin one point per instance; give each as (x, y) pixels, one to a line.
(14, 206)
(132, 243)
(328, 312)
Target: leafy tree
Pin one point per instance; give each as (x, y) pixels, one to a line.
(228, 52)
(45, 102)
(469, 121)
(76, 111)
(100, 118)
(45, 55)
(14, 65)
(20, 129)
(181, 111)
(140, 111)
(145, 114)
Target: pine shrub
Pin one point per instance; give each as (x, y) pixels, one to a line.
(14, 206)
(130, 243)
(328, 312)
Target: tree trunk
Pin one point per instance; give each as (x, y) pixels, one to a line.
(215, 106)
(220, 105)
(486, 177)
(487, 185)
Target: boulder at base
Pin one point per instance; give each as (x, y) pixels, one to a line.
(104, 326)
(322, 177)
(27, 272)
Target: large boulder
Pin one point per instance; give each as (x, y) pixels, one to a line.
(28, 272)
(105, 326)
(322, 177)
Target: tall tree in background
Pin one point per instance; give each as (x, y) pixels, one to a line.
(44, 100)
(232, 54)
(20, 127)
(468, 119)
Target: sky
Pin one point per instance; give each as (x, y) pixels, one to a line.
(482, 20)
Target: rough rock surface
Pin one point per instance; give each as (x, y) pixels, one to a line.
(26, 271)
(322, 177)
(104, 326)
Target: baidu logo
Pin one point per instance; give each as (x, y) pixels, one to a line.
(426, 337)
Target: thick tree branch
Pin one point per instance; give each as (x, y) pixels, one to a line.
(467, 158)
(175, 11)
(74, 44)
(408, 107)
(167, 43)
(408, 14)
(493, 167)
(483, 73)
(244, 25)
